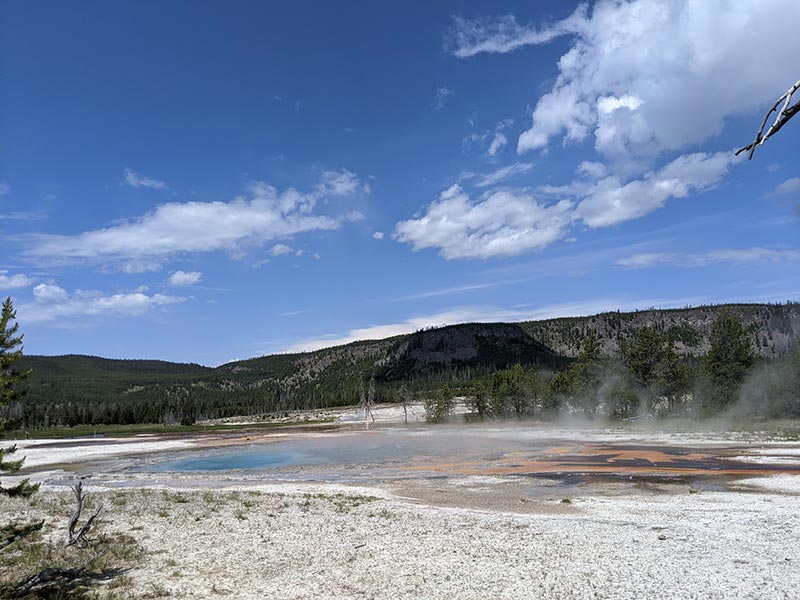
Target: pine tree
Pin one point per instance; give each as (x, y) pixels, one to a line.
(672, 376)
(10, 391)
(729, 359)
(643, 354)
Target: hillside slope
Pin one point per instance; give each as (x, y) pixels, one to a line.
(83, 389)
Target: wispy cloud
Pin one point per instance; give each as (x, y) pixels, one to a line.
(503, 173)
(441, 96)
(448, 291)
(141, 181)
(54, 302)
(190, 227)
(491, 141)
(22, 216)
(790, 186)
(503, 34)
(724, 255)
(4, 188)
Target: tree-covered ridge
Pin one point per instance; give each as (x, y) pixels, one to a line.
(773, 328)
(71, 390)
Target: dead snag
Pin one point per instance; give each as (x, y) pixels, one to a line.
(786, 112)
(80, 538)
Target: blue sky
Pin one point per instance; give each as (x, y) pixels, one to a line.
(207, 181)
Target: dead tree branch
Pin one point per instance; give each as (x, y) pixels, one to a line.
(786, 112)
(80, 537)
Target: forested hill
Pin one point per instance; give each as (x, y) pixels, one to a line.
(774, 328)
(83, 389)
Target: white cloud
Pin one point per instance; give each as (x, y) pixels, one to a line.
(492, 140)
(467, 38)
(10, 282)
(725, 255)
(140, 181)
(508, 222)
(378, 235)
(185, 277)
(646, 76)
(503, 173)
(185, 227)
(503, 223)
(610, 201)
(790, 186)
(338, 183)
(53, 302)
(20, 215)
(441, 96)
(139, 266)
(497, 144)
(280, 250)
(592, 170)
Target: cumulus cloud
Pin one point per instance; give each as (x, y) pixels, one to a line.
(502, 223)
(610, 201)
(280, 250)
(725, 255)
(136, 180)
(264, 215)
(508, 222)
(503, 173)
(53, 302)
(185, 277)
(378, 235)
(10, 282)
(646, 76)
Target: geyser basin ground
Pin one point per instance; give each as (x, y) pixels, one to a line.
(502, 513)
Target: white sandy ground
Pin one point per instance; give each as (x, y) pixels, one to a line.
(428, 539)
(39, 453)
(310, 542)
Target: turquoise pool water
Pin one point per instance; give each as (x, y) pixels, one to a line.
(357, 450)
